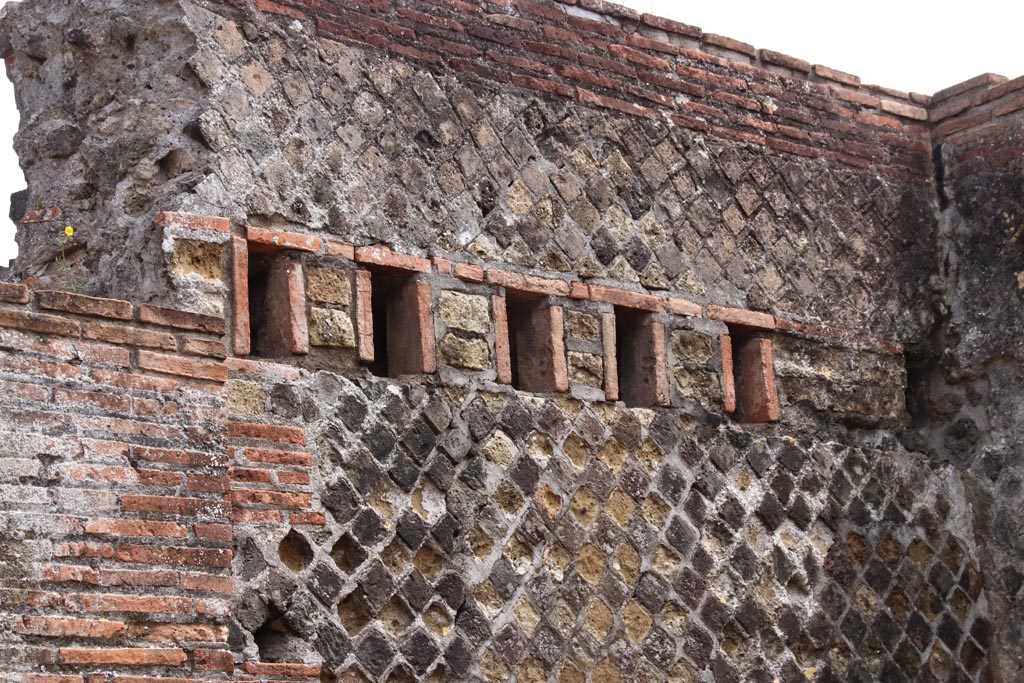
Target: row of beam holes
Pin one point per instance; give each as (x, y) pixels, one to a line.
(526, 333)
(530, 356)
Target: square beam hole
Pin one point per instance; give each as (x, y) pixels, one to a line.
(402, 324)
(536, 344)
(640, 359)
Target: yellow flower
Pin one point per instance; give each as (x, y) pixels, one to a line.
(69, 231)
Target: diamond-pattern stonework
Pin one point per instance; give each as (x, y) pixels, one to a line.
(500, 175)
(469, 552)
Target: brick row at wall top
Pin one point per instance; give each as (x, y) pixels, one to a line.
(982, 120)
(607, 56)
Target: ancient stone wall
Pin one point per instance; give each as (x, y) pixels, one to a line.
(501, 342)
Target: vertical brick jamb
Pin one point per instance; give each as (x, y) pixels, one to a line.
(611, 361)
(728, 378)
(364, 316)
(298, 322)
(559, 364)
(425, 315)
(662, 394)
(756, 393)
(241, 335)
(501, 342)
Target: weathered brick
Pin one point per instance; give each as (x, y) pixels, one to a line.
(501, 341)
(279, 239)
(184, 320)
(740, 317)
(129, 527)
(188, 221)
(130, 336)
(385, 258)
(728, 374)
(124, 656)
(39, 322)
(240, 321)
(627, 299)
(70, 627)
(184, 367)
(14, 294)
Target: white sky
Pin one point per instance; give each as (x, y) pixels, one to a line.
(906, 44)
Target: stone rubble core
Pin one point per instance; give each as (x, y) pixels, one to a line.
(534, 341)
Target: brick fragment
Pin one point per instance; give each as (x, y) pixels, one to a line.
(264, 455)
(469, 272)
(276, 8)
(189, 221)
(501, 340)
(129, 336)
(283, 669)
(282, 433)
(69, 627)
(183, 367)
(985, 80)
(214, 660)
(131, 527)
(343, 250)
(204, 347)
(240, 318)
(273, 498)
(836, 75)
(169, 317)
(207, 583)
(627, 299)
(729, 44)
(14, 294)
(171, 656)
(907, 111)
(39, 322)
(364, 316)
(173, 505)
(677, 306)
(611, 361)
(655, 21)
(728, 375)
(385, 258)
(741, 317)
(521, 282)
(311, 518)
(442, 265)
(179, 633)
(264, 369)
(280, 239)
(63, 573)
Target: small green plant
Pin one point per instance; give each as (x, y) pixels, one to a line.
(933, 454)
(65, 238)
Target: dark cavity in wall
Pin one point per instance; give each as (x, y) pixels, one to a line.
(259, 276)
(532, 343)
(521, 346)
(394, 334)
(635, 357)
